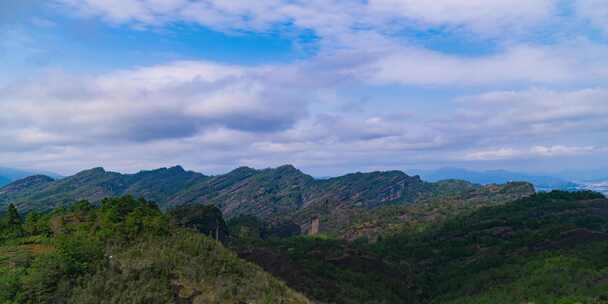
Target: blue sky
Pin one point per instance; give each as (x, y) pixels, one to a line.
(330, 86)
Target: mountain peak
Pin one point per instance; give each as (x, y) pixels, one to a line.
(287, 167)
(93, 170)
(241, 170)
(177, 168)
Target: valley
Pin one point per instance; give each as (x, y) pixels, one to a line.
(246, 237)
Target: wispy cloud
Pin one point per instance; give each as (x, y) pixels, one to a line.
(323, 17)
(533, 152)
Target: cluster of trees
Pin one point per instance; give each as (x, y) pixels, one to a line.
(207, 220)
(45, 254)
(10, 223)
(250, 228)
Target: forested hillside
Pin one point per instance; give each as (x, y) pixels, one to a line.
(544, 248)
(382, 237)
(124, 251)
(547, 248)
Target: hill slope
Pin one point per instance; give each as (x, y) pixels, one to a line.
(458, 198)
(529, 250)
(547, 248)
(125, 251)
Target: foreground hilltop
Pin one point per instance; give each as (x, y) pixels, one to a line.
(125, 251)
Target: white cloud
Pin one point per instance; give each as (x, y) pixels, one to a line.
(212, 116)
(563, 150)
(167, 101)
(360, 40)
(519, 64)
(480, 15)
(494, 154)
(537, 112)
(533, 152)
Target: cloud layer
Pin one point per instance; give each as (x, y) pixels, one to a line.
(321, 16)
(220, 116)
(522, 99)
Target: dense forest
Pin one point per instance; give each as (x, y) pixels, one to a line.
(544, 248)
(547, 248)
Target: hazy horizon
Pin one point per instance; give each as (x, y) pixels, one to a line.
(452, 172)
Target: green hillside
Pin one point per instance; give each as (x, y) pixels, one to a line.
(384, 237)
(476, 245)
(453, 198)
(125, 251)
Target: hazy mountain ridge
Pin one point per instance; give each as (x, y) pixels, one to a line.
(541, 182)
(8, 175)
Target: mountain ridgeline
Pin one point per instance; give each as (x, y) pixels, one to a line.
(269, 194)
(9, 175)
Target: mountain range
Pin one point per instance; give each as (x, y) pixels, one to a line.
(283, 193)
(376, 237)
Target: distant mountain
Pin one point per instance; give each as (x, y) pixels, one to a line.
(593, 175)
(542, 183)
(4, 181)
(8, 175)
(598, 186)
(271, 194)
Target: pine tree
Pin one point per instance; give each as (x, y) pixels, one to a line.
(12, 217)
